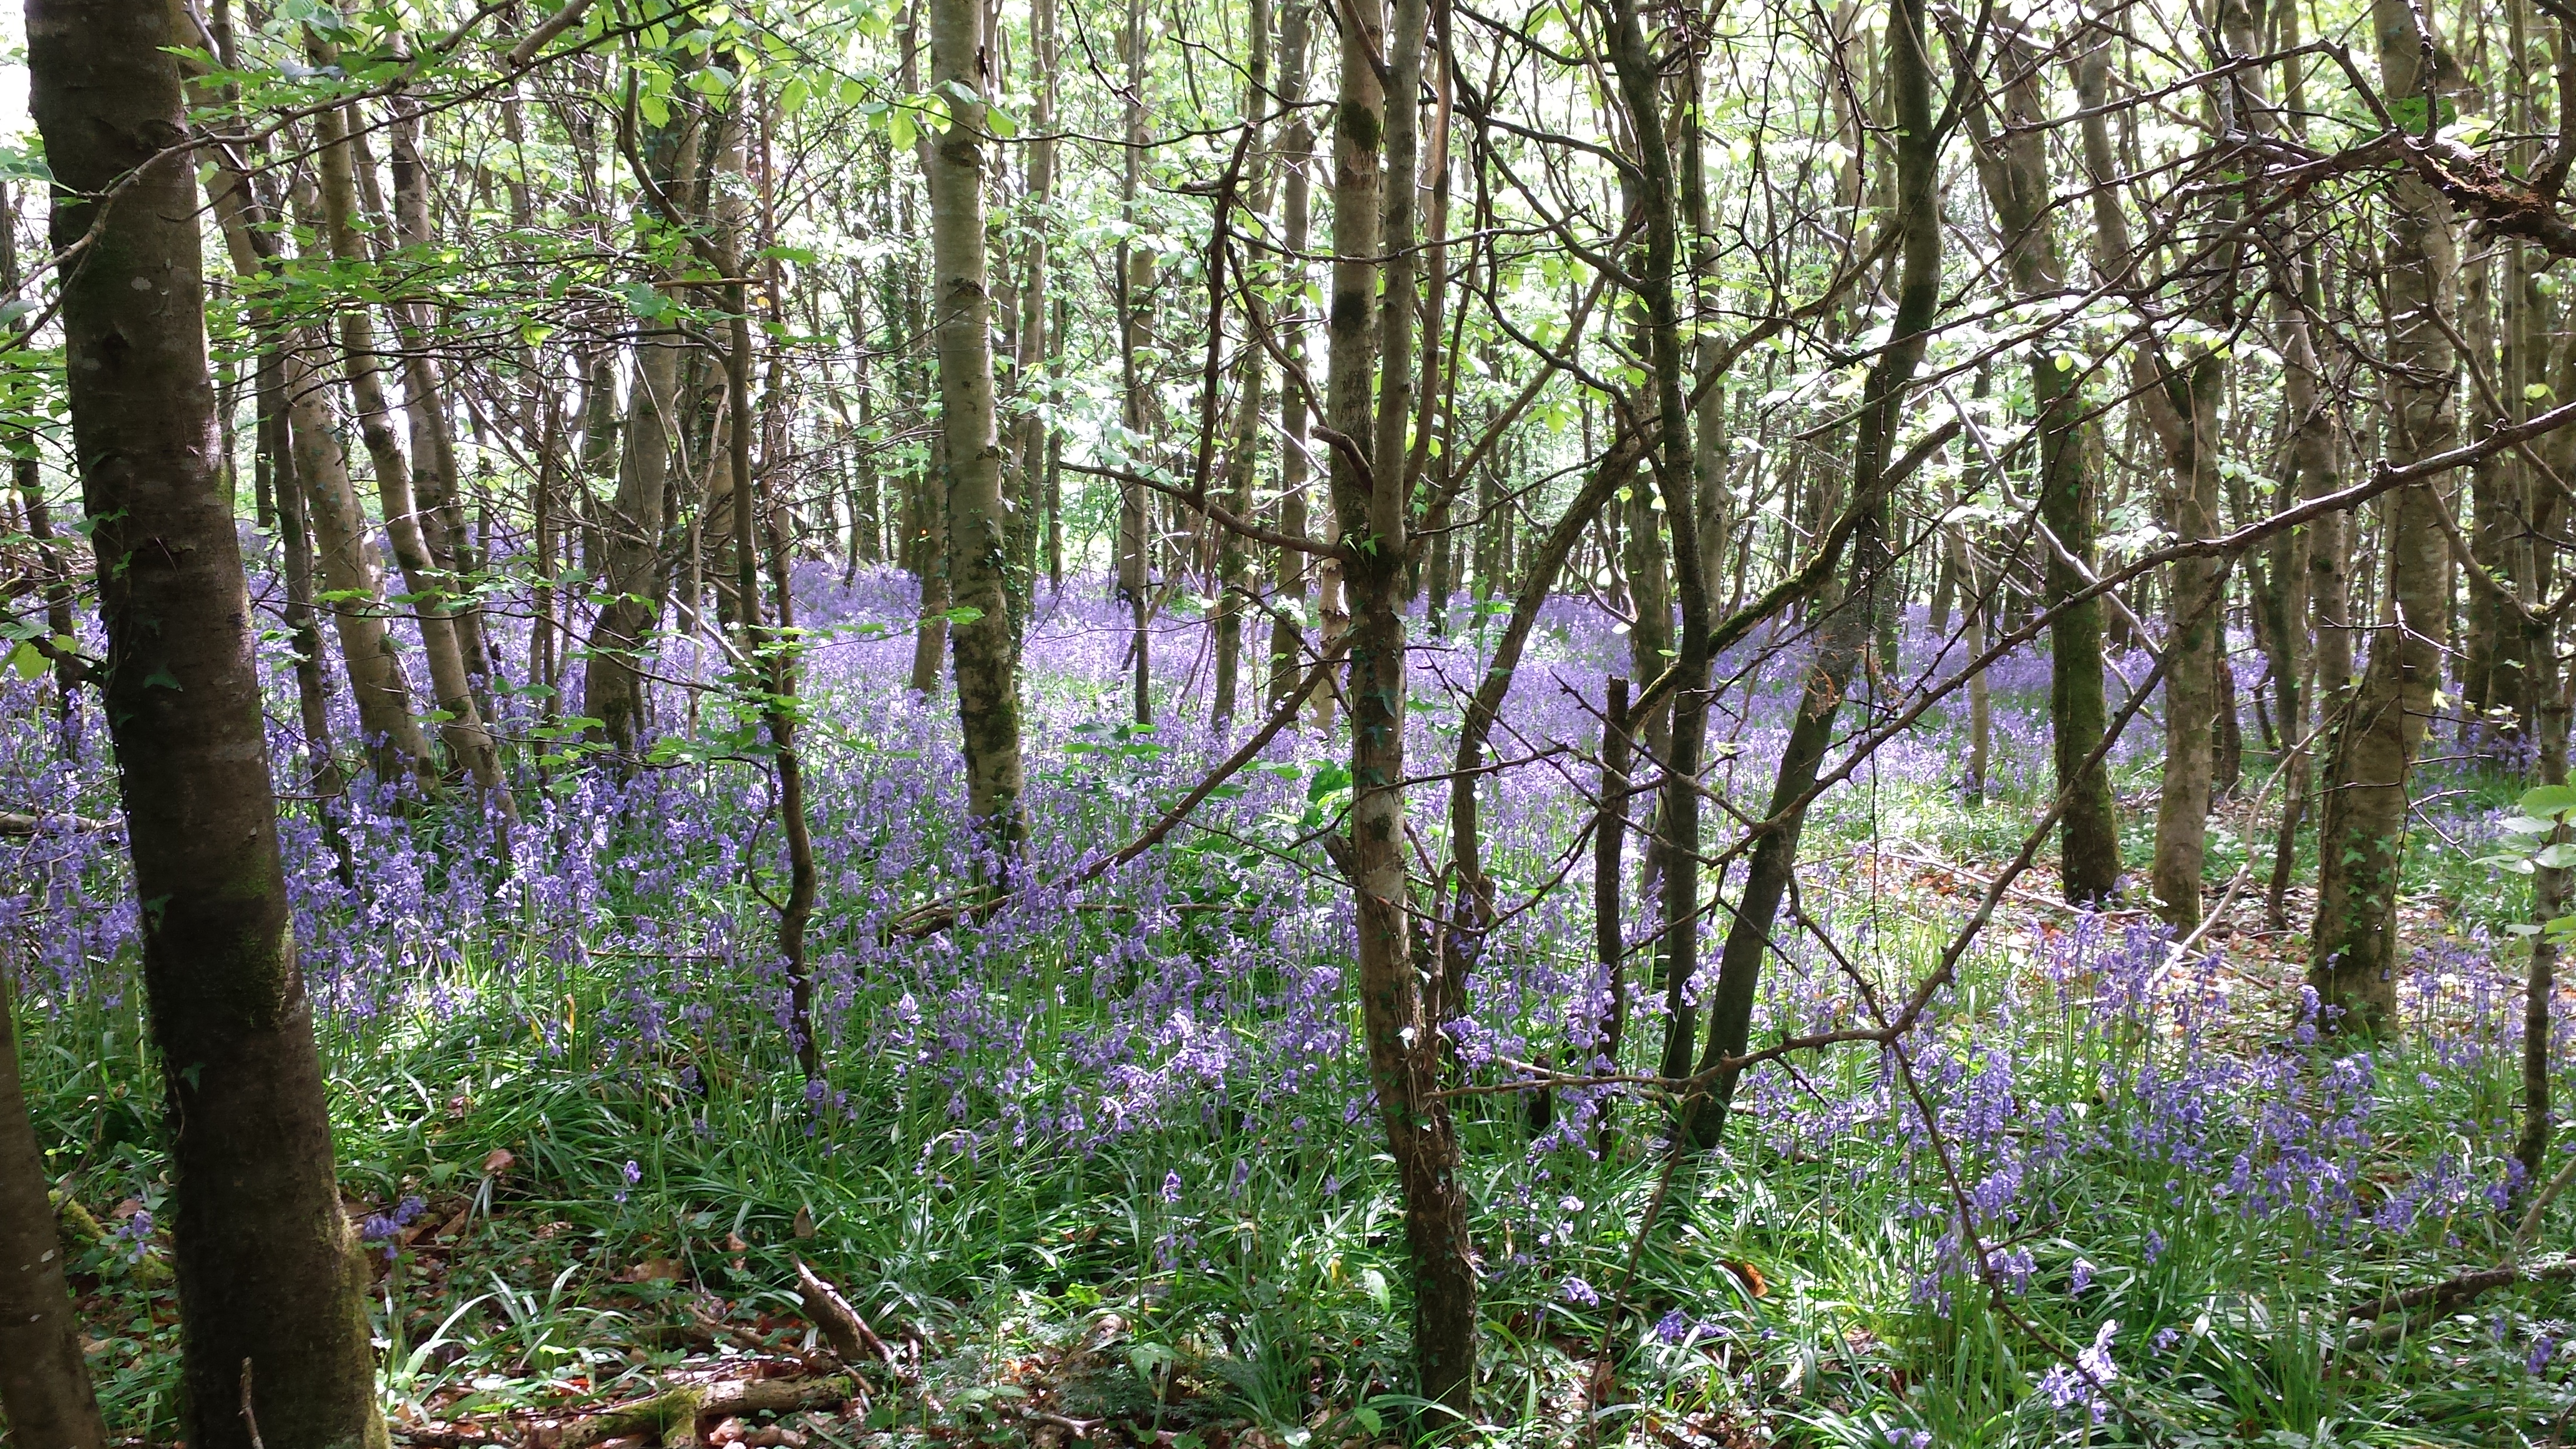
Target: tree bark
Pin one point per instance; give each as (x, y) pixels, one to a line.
(2179, 400)
(2355, 954)
(324, 501)
(1288, 576)
(1135, 274)
(436, 486)
(274, 1326)
(986, 651)
(1243, 448)
(2015, 171)
(1373, 226)
(1676, 870)
(1034, 375)
(1846, 625)
(44, 1380)
(612, 685)
(466, 739)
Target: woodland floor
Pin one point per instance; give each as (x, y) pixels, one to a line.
(1100, 1175)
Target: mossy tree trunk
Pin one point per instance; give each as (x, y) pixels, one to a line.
(985, 648)
(274, 1336)
(2355, 953)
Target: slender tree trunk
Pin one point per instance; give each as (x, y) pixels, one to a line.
(1135, 273)
(396, 749)
(1404, 1054)
(2015, 170)
(1243, 448)
(2180, 403)
(274, 1326)
(436, 486)
(1675, 465)
(1981, 709)
(353, 573)
(2549, 893)
(1846, 626)
(612, 689)
(987, 652)
(1035, 375)
(467, 741)
(1609, 938)
(1288, 576)
(295, 545)
(28, 475)
(2355, 952)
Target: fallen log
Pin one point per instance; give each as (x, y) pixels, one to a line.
(671, 1416)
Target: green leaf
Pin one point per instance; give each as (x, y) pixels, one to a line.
(27, 661)
(2548, 801)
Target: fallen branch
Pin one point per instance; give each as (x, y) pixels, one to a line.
(841, 1326)
(2450, 1293)
(14, 823)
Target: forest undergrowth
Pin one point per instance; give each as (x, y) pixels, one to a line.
(1099, 1166)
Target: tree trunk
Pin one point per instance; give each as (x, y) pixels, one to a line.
(467, 741)
(44, 1380)
(986, 651)
(612, 687)
(2180, 402)
(1846, 625)
(28, 474)
(1288, 575)
(436, 486)
(274, 1333)
(1675, 463)
(1243, 448)
(324, 499)
(2355, 951)
(1034, 377)
(1367, 468)
(2015, 171)
(1135, 271)
(353, 573)
(1609, 940)
(2548, 902)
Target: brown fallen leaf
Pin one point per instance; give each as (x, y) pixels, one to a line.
(803, 1227)
(497, 1161)
(653, 1270)
(1754, 1282)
